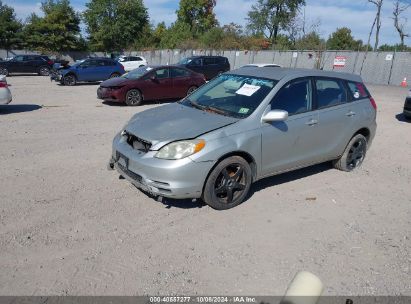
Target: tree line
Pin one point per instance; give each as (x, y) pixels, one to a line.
(121, 25)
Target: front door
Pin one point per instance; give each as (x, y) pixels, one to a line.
(159, 86)
(294, 142)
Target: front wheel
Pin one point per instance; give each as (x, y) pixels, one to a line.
(134, 98)
(353, 155)
(69, 80)
(228, 183)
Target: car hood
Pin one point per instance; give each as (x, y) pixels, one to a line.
(113, 82)
(173, 122)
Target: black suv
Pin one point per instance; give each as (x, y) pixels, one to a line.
(407, 107)
(209, 66)
(38, 64)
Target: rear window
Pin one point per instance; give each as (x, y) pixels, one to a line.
(357, 90)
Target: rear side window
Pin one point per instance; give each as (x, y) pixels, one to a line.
(108, 63)
(357, 90)
(175, 72)
(208, 61)
(330, 92)
(294, 97)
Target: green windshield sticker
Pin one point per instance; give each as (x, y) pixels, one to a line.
(243, 110)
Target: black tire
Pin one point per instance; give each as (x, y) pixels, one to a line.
(228, 183)
(134, 98)
(69, 80)
(191, 90)
(44, 71)
(407, 117)
(353, 155)
(4, 71)
(114, 75)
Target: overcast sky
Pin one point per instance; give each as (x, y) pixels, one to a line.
(355, 14)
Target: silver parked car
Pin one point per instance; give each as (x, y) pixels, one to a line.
(243, 126)
(5, 94)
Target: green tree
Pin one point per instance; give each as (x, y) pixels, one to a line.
(10, 28)
(57, 31)
(342, 39)
(310, 41)
(115, 25)
(179, 35)
(269, 17)
(197, 14)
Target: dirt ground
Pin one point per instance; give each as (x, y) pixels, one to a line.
(70, 227)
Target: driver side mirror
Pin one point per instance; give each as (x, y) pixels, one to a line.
(275, 115)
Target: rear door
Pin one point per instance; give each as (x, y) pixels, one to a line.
(337, 117)
(294, 142)
(30, 64)
(181, 82)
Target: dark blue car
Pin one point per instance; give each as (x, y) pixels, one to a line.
(88, 70)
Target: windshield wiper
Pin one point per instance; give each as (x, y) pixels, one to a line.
(196, 105)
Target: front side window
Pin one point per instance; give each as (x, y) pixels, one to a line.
(330, 92)
(18, 58)
(162, 73)
(231, 95)
(294, 97)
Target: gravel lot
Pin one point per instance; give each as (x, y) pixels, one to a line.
(70, 227)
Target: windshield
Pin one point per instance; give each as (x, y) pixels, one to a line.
(137, 73)
(185, 61)
(78, 62)
(231, 95)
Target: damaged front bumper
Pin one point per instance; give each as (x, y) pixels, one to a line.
(178, 179)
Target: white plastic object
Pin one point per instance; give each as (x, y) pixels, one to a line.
(305, 288)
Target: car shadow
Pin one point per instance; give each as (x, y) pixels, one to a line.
(401, 117)
(256, 187)
(18, 108)
(149, 102)
(80, 84)
(288, 177)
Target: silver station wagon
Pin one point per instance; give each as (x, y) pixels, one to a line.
(243, 126)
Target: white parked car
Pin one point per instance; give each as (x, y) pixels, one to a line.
(262, 65)
(132, 62)
(5, 94)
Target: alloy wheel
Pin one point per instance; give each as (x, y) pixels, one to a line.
(230, 183)
(44, 71)
(356, 154)
(133, 97)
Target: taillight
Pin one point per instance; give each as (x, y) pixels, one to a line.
(3, 84)
(122, 66)
(50, 62)
(373, 103)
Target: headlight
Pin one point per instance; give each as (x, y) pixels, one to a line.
(181, 149)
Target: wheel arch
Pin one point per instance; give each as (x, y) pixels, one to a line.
(247, 156)
(363, 131)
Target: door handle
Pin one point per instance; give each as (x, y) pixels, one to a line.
(312, 122)
(350, 114)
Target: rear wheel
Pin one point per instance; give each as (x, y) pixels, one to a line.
(353, 155)
(70, 80)
(44, 71)
(4, 71)
(191, 90)
(114, 75)
(228, 183)
(134, 98)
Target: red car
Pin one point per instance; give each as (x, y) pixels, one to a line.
(150, 83)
